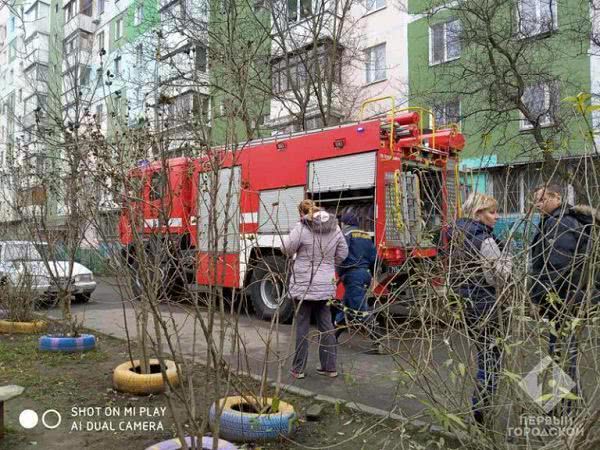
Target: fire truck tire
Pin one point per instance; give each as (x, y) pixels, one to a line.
(263, 292)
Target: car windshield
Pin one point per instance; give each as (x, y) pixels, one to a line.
(21, 252)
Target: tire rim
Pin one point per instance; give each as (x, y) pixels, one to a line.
(268, 293)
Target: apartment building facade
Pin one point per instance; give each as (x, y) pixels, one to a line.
(329, 57)
(24, 37)
(484, 74)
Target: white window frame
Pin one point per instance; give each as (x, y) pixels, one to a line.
(537, 23)
(445, 57)
(139, 14)
(101, 40)
(119, 29)
(370, 60)
(374, 5)
(549, 87)
(299, 14)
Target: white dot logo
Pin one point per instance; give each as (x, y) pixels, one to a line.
(28, 418)
(58, 419)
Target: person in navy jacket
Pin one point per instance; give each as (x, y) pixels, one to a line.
(356, 273)
(479, 271)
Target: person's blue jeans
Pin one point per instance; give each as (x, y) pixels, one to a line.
(483, 331)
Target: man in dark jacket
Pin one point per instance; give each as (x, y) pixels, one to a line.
(559, 268)
(558, 253)
(356, 274)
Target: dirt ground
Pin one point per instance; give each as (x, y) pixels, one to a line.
(94, 416)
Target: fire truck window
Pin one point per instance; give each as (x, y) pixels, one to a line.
(156, 186)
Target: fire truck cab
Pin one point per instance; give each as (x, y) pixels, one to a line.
(232, 207)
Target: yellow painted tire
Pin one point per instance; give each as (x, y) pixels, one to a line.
(38, 326)
(126, 380)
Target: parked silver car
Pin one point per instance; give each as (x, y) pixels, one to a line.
(20, 259)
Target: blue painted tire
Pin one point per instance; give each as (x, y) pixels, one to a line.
(207, 444)
(52, 343)
(247, 427)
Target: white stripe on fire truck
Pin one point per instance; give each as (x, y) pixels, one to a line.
(175, 222)
(248, 218)
(151, 222)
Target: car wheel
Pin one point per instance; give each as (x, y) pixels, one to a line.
(268, 289)
(83, 298)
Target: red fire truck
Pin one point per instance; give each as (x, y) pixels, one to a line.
(230, 208)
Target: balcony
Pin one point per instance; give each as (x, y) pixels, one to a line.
(81, 21)
(37, 26)
(29, 119)
(36, 56)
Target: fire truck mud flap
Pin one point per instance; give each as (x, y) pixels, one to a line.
(268, 289)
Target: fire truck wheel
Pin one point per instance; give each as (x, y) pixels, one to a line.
(268, 290)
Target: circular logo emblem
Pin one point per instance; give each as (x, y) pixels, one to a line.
(28, 418)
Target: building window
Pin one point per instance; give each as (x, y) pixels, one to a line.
(294, 72)
(203, 107)
(444, 42)
(12, 25)
(375, 63)
(447, 113)
(12, 50)
(139, 15)
(139, 55)
(86, 8)
(541, 100)
(119, 29)
(85, 74)
(117, 65)
(98, 116)
(298, 10)
(374, 5)
(101, 5)
(181, 106)
(69, 11)
(201, 58)
(100, 41)
(536, 17)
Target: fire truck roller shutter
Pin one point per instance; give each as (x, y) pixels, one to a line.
(343, 172)
(225, 208)
(278, 209)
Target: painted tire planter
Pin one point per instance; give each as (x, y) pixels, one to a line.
(207, 444)
(236, 425)
(81, 343)
(127, 379)
(6, 326)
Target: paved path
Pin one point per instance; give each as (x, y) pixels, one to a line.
(367, 379)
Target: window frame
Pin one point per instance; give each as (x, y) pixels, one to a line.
(537, 20)
(444, 26)
(138, 16)
(118, 28)
(369, 56)
(117, 65)
(374, 7)
(103, 40)
(444, 108)
(300, 15)
(551, 104)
